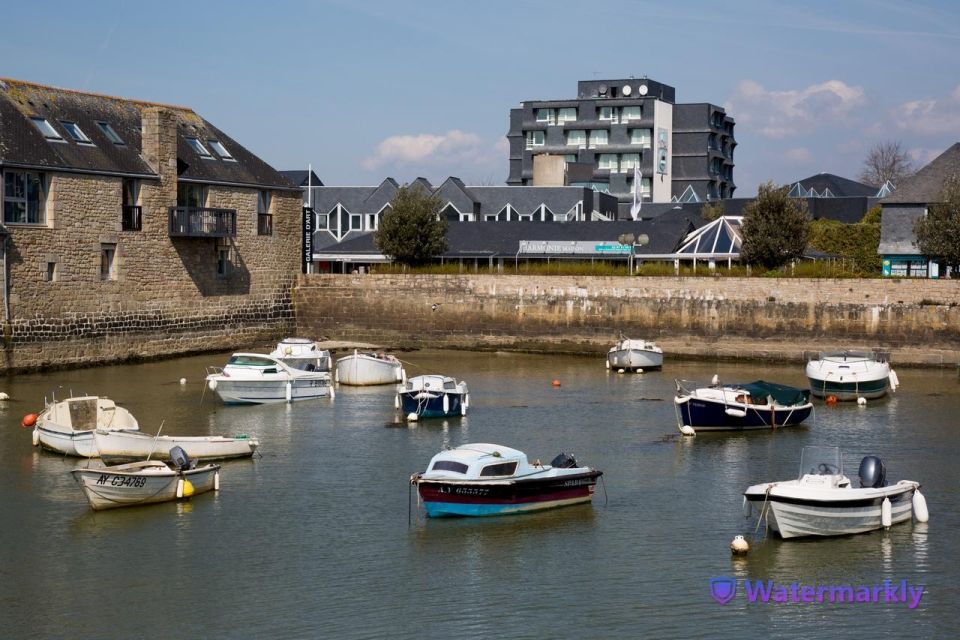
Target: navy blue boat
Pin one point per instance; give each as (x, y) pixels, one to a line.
(433, 396)
(737, 407)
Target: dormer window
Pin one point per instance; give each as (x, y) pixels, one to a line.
(110, 133)
(46, 129)
(75, 132)
(199, 148)
(220, 149)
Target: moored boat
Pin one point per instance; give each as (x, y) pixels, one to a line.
(146, 481)
(822, 501)
(253, 378)
(362, 368)
(125, 446)
(851, 375)
(634, 355)
(302, 353)
(67, 426)
(433, 396)
(485, 479)
(737, 407)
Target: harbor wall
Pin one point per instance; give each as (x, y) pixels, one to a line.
(918, 321)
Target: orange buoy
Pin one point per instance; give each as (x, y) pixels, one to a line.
(29, 420)
(831, 400)
(556, 383)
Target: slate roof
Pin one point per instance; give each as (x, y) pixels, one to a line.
(22, 144)
(300, 177)
(896, 229)
(840, 187)
(926, 184)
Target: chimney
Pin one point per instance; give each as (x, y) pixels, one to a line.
(159, 143)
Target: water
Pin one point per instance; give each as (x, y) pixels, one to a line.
(312, 540)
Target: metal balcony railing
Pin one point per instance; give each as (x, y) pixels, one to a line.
(202, 222)
(131, 218)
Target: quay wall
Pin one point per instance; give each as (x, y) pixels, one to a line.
(918, 321)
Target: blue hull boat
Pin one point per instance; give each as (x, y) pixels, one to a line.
(737, 407)
(433, 396)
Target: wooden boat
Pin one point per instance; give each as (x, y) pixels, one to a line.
(302, 353)
(634, 355)
(487, 480)
(737, 407)
(366, 368)
(253, 378)
(146, 481)
(125, 446)
(433, 396)
(851, 375)
(67, 426)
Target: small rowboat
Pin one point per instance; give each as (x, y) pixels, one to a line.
(125, 446)
(67, 426)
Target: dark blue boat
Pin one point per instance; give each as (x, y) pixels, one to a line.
(736, 407)
(433, 396)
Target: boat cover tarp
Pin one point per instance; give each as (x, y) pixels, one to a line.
(782, 393)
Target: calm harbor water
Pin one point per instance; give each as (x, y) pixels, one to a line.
(312, 540)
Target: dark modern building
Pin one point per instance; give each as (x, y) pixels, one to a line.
(684, 152)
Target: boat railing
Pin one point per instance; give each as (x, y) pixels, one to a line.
(214, 371)
(687, 387)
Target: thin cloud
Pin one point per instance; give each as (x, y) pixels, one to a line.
(932, 117)
(781, 114)
(452, 153)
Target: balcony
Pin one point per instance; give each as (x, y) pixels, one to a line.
(264, 224)
(131, 218)
(199, 222)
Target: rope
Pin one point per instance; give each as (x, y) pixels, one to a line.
(763, 509)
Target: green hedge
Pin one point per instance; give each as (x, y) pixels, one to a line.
(856, 243)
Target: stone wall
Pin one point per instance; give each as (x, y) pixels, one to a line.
(917, 320)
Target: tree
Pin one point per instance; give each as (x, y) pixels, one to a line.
(938, 231)
(886, 161)
(711, 211)
(775, 228)
(412, 232)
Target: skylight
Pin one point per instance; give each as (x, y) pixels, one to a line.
(46, 129)
(110, 133)
(75, 131)
(198, 147)
(220, 149)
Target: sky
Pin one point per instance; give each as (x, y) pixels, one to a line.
(365, 90)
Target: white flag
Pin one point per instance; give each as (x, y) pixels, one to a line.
(637, 198)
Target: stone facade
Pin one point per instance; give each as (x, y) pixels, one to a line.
(699, 317)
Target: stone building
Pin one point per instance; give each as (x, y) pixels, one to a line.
(134, 229)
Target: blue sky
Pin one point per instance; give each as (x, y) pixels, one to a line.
(365, 90)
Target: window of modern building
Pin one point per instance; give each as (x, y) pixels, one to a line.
(599, 137)
(199, 148)
(535, 139)
(191, 195)
(548, 116)
(608, 113)
(631, 113)
(566, 114)
(24, 197)
(373, 222)
(629, 161)
(646, 187)
(323, 219)
(570, 157)
(607, 161)
(110, 133)
(641, 137)
(220, 149)
(108, 262)
(74, 131)
(356, 222)
(46, 129)
(577, 138)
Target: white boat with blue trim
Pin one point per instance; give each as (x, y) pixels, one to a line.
(483, 479)
(433, 396)
(254, 378)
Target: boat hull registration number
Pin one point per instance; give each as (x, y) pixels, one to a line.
(121, 481)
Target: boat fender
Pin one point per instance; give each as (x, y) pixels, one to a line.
(336, 376)
(621, 370)
(36, 437)
(608, 363)
(687, 430)
(446, 403)
(739, 546)
(4, 395)
(396, 401)
(735, 413)
(216, 481)
(29, 420)
(640, 370)
(412, 417)
(179, 487)
(747, 507)
(289, 392)
(212, 384)
(861, 401)
(920, 511)
(288, 351)
(894, 380)
(183, 381)
(886, 513)
(188, 489)
(680, 399)
(464, 404)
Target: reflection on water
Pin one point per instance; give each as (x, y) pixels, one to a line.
(312, 539)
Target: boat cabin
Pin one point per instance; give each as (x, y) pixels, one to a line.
(431, 383)
(479, 461)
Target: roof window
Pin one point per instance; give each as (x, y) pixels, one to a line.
(110, 133)
(220, 149)
(75, 131)
(199, 148)
(46, 129)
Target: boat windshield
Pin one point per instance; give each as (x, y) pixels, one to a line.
(250, 361)
(821, 461)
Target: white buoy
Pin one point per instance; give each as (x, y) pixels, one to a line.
(212, 384)
(396, 401)
(886, 513)
(894, 380)
(4, 396)
(747, 507)
(739, 546)
(861, 401)
(687, 430)
(412, 417)
(920, 507)
(639, 370)
(620, 370)
(36, 437)
(179, 487)
(216, 481)
(289, 392)
(183, 381)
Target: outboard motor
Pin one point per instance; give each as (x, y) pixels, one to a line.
(564, 461)
(872, 472)
(180, 459)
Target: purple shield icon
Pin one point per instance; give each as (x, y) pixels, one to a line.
(723, 590)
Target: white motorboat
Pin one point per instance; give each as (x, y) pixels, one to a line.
(824, 502)
(67, 426)
(851, 375)
(634, 355)
(362, 368)
(253, 378)
(146, 481)
(125, 446)
(302, 353)
(433, 396)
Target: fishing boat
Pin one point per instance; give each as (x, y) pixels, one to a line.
(487, 480)
(822, 501)
(302, 353)
(851, 375)
(67, 426)
(634, 355)
(253, 378)
(737, 407)
(362, 368)
(125, 446)
(433, 396)
(146, 481)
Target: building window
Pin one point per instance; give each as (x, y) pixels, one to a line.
(75, 132)
(566, 114)
(490, 217)
(110, 133)
(535, 139)
(131, 218)
(108, 262)
(641, 137)
(631, 113)
(598, 137)
(372, 221)
(608, 113)
(577, 138)
(220, 149)
(46, 129)
(24, 197)
(191, 195)
(570, 157)
(629, 161)
(53, 273)
(466, 217)
(646, 187)
(608, 161)
(356, 222)
(199, 148)
(264, 218)
(223, 261)
(323, 219)
(548, 116)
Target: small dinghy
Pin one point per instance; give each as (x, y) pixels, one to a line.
(302, 353)
(126, 446)
(737, 407)
(146, 481)
(488, 480)
(67, 426)
(851, 375)
(824, 502)
(433, 396)
(634, 355)
(253, 378)
(366, 368)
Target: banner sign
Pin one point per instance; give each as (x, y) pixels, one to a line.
(306, 256)
(573, 247)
